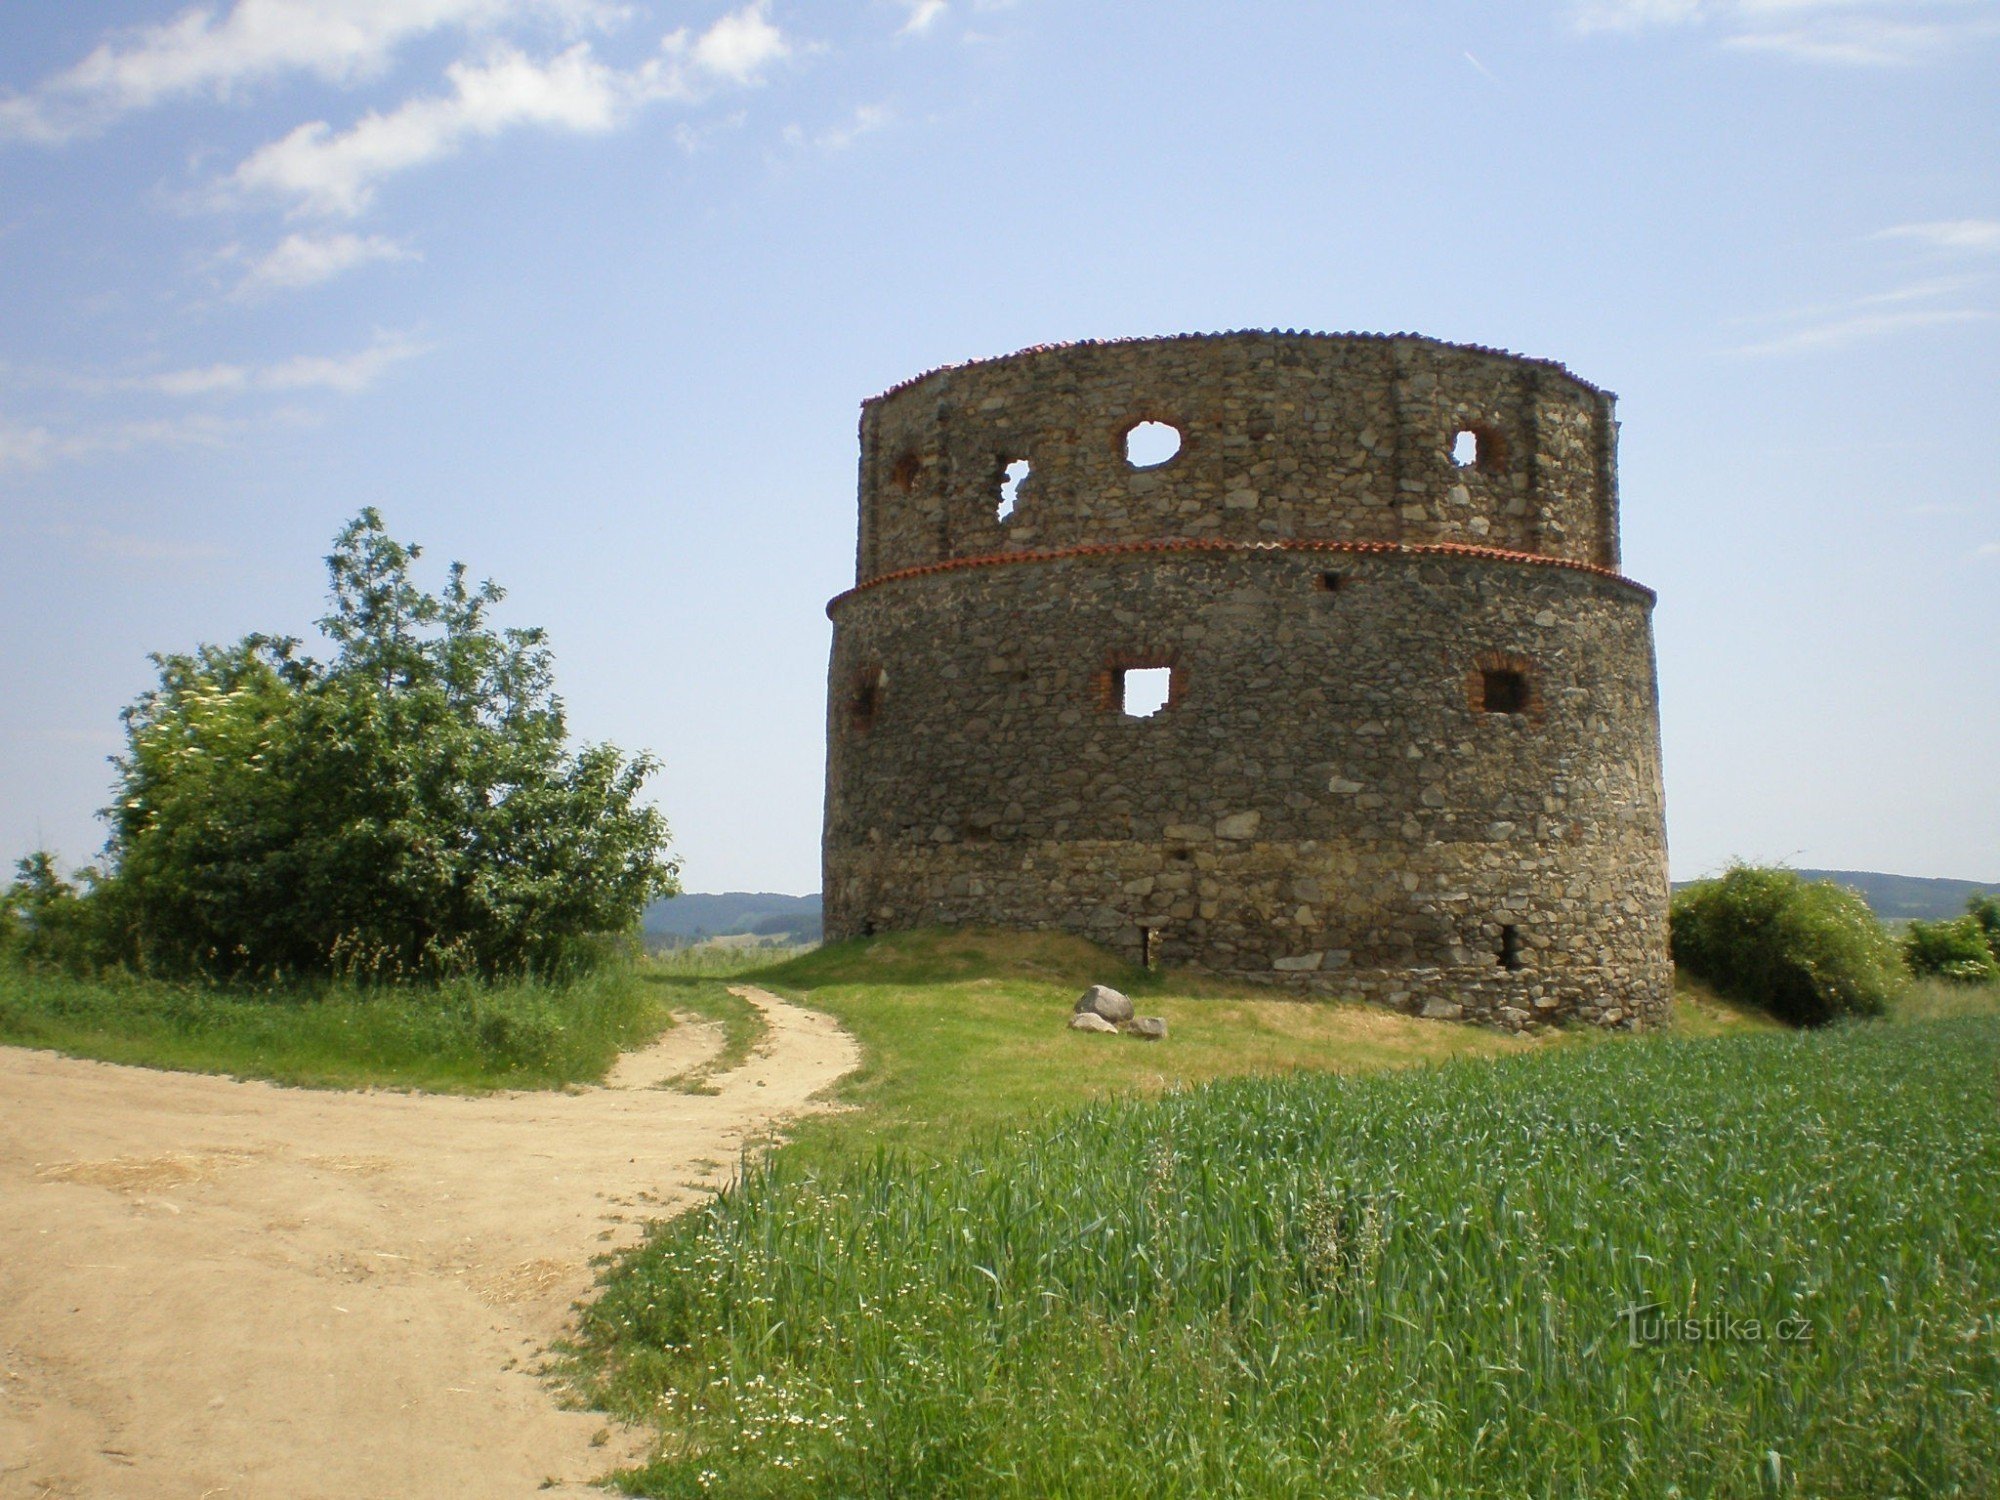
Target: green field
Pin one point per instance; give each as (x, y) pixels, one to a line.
(1035, 1263)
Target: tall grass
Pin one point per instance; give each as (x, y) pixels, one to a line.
(460, 1035)
(1426, 1283)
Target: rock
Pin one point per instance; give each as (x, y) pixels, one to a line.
(1150, 1028)
(1242, 825)
(1441, 1010)
(1089, 1020)
(1298, 962)
(1102, 1000)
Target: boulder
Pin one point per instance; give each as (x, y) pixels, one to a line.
(1089, 1020)
(1149, 1028)
(1442, 1010)
(1102, 1000)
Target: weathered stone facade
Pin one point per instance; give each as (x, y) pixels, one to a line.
(1410, 749)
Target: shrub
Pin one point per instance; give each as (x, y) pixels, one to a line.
(410, 809)
(1808, 951)
(1957, 950)
(1984, 909)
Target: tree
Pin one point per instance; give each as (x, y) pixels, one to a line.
(1808, 951)
(409, 809)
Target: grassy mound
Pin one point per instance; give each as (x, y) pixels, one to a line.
(963, 1030)
(1751, 1265)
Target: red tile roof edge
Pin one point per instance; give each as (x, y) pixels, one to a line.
(1205, 544)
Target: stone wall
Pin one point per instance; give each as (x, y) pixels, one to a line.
(1403, 758)
(1283, 437)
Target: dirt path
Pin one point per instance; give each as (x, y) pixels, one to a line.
(211, 1288)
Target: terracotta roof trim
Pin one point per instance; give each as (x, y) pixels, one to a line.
(1196, 544)
(1239, 333)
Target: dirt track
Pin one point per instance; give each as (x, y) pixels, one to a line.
(211, 1288)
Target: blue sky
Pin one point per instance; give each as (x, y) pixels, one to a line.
(588, 294)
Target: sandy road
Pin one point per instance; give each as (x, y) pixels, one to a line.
(211, 1288)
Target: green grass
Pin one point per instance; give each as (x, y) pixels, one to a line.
(1301, 1282)
(461, 1037)
(965, 1030)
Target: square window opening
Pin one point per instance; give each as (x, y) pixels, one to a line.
(1144, 691)
(1503, 690)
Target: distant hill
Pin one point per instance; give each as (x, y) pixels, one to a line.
(1898, 898)
(694, 916)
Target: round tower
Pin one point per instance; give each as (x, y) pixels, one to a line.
(1293, 657)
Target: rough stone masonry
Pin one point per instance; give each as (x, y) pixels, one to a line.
(1404, 738)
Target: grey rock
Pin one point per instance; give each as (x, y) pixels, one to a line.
(1086, 1020)
(1150, 1028)
(1441, 1010)
(1102, 1000)
(1298, 963)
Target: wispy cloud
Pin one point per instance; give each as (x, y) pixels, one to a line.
(336, 173)
(345, 373)
(1840, 333)
(866, 119)
(1847, 33)
(37, 446)
(1975, 236)
(215, 53)
(303, 260)
(923, 14)
(129, 546)
(1987, 549)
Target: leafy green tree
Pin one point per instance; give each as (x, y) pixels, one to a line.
(1957, 950)
(45, 919)
(409, 809)
(1984, 909)
(1808, 951)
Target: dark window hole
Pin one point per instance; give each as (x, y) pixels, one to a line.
(1329, 583)
(904, 474)
(1503, 690)
(865, 702)
(1510, 947)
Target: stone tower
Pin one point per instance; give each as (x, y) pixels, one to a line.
(1404, 738)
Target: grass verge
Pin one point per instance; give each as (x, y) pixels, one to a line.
(461, 1037)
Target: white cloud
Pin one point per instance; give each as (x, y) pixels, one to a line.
(302, 260)
(206, 52)
(924, 14)
(1863, 327)
(866, 119)
(24, 447)
(740, 46)
(1851, 33)
(347, 373)
(331, 173)
(1970, 235)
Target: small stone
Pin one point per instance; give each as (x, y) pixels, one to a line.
(1085, 1020)
(1441, 1010)
(1107, 1004)
(1147, 1028)
(1342, 786)
(1298, 962)
(1241, 825)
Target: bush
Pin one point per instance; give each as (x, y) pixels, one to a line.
(1808, 951)
(410, 809)
(1957, 950)
(1984, 910)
